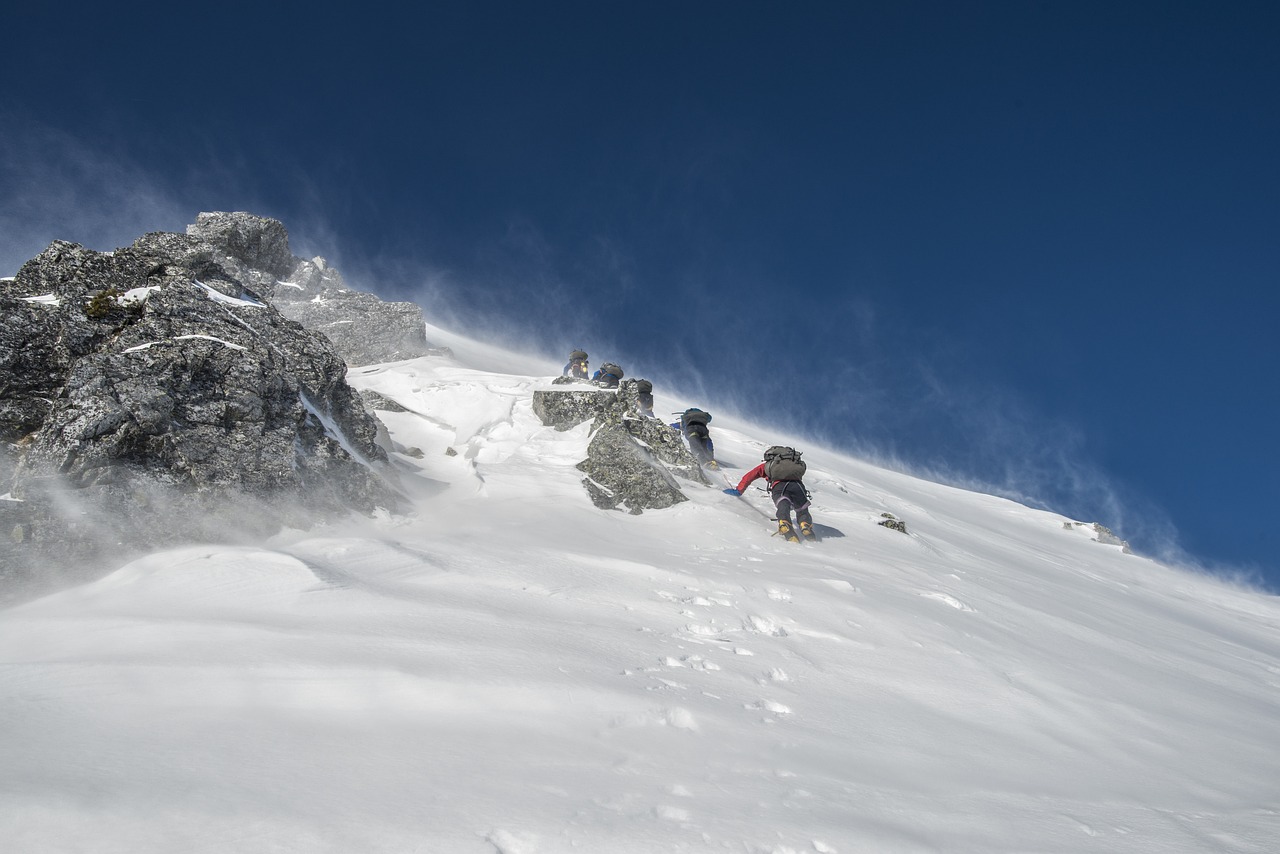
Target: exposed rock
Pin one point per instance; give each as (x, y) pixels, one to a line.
(892, 522)
(363, 328)
(377, 401)
(1108, 538)
(666, 445)
(151, 394)
(260, 243)
(1103, 534)
(623, 472)
(565, 410)
(631, 458)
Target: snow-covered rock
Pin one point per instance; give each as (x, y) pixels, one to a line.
(631, 459)
(138, 416)
(363, 328)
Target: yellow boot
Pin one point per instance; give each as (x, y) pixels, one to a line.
(785, 529)
(806, 531)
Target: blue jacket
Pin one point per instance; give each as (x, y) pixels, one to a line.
(608, 379)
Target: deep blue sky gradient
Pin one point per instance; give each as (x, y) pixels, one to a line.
(1031, 247)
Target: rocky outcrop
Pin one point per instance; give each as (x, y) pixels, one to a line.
(623, 472)
(152, 394)
(893, 523)
(573, 404)
(632, 461)
(363, 328)
(259, 243)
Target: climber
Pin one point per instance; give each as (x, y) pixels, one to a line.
(577, 367)
(644, 398)
(693, 425)
(783, 469)
(608, 376)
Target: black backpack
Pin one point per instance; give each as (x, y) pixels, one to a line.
(783, 463)
(695, 416)
(610, 368)
(644, 387)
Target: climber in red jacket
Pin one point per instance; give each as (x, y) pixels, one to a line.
(783, 469)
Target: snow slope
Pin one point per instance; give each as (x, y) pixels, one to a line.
(513, 670)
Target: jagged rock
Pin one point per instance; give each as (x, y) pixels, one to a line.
(151, 394)
(565, 410)
(363, 328)
(667, 445)
(257, 241)
(631, 458)
(1108, 538)
(377, 401)
(622, 471)
(1103, 534)
(892, 522)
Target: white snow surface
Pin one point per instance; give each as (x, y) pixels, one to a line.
(44, 299)
(140, 347)
(219, 297)
(513, 670)
(137, 295)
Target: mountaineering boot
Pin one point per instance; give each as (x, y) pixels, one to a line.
(806, 531)
(785, 529)
(713, 465)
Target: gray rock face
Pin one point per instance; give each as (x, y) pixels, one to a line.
(363, 328)
(631, 459)
(256, 241)
(577, 404)
(150, 395)
(621, 471)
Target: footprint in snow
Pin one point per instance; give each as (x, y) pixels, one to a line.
(702, 631)
(693, 662)
(768, 706)
(764, 626)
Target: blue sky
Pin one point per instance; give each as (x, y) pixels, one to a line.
(1029, 247)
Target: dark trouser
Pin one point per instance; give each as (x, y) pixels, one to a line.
(790, 495)
(699, 438)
